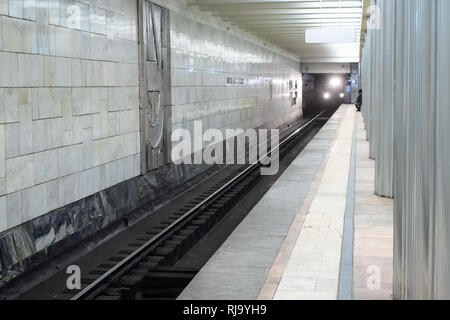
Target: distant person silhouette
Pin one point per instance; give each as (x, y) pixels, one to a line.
(359, 101)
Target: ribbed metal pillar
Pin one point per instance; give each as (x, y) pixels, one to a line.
(441, 268)
(385, 108)
(376, 92)
(414, 43)
(401, 100)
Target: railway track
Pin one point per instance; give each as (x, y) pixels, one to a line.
(144, 270)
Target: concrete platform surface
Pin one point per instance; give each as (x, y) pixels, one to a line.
(289, 246)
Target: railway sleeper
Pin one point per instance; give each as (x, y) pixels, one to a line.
(130, 280)
(108, 297)
(166, 279)
(171, 255)
(153, 259)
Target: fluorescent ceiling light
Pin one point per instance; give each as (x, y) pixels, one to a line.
(335, 82)
(326, 35)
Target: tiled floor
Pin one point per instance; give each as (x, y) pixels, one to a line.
(238, 270)
(312, 271)
(373, 240)
(289, 246)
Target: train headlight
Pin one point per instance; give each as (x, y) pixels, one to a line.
(326, 96)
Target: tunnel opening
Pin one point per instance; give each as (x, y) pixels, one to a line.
(326, 92)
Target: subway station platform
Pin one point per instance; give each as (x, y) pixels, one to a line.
(319, 233)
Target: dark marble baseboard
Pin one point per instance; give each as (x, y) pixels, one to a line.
(37, 242)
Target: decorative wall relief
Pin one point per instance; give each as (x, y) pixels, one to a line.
(155, 85)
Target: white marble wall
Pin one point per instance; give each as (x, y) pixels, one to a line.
(204, 56)
(69, 94)
(69, 101)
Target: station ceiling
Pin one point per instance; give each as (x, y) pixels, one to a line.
(283, 22)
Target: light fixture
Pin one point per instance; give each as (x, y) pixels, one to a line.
(335, 82)
(326, 95)
(328, 35)
(342, 95)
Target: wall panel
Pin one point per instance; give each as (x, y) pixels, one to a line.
(68, 69)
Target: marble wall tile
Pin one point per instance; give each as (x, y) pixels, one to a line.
(39, 143)
(128, 120)
(81, 101)
(111, 174)
(2, 186)
(113, 124)
(76, 72)
(42, 27)
(2, 152)
(70, 160)
(42, 11)
(125, 168)
(70, 190)
(8, 65)
(81, 44)
(92, 73)
(11, 104)
(34, 202)
(42, 38)
(47, 134)
(3, 215)
(19, 173)
(26, 128)
(30, 70)
(60, 42)
(2, 105)
(51, 101)
(80, 123)
(99, 126)
(98, 20)
(16, 35)
(99, 46)
(14, 209)
(4, 7)
(53, 200)
(12, 137)
(16, 8)
(68, 117)
(92, 180)
(30, 9)
(122, 98)
(54, 12)
(45, 166)
(58, 72)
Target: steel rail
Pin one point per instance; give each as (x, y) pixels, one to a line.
(100, 284)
